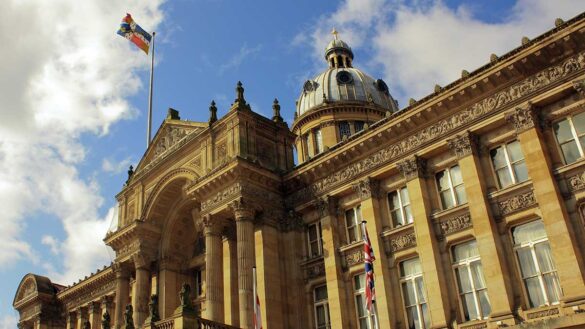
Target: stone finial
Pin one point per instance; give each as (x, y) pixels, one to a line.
(276, 111)
(559, 22)
(173, 114)
(212, 112)
(437, 88)
(525, 40)
(493, 58)
(464, 73)
(411, 101)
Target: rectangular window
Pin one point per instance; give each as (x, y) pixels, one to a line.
(318, 138)
(314, 239)
(413, 294)
(359, 284)
(509, 164)
(353, 219)
(399, 205)
(536, 264)
(321, 308)
(570, 134)
(358, 126)
(307, 146)
(470, 281)
(451, 189)
(344, 131)
(198, 289)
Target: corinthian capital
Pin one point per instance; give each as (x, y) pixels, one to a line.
(142, 259)
(412, 167)
(327, 206)
(367, 188)
(242, 211)
(463, 145)
(523, 118)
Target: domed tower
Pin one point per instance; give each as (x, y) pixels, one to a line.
(338, 103)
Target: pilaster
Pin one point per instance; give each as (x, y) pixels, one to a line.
(244, 216)
(70, 320)
(94, 314)
(485, 230)
(230, 278)
(168, 283)
(81, 316)
(413, 170)
(213, 270)
(368, 190)
(567, 256)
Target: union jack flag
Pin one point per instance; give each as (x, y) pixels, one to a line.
(369, 264)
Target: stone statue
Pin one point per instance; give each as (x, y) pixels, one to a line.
(185, 296)
(128, 317)
(153, 308)
(86, 325)
(106, 320)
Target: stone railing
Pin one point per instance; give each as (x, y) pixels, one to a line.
(208, 324)
(165, 324)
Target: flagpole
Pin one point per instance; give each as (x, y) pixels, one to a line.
(150, 94)
(255, 294)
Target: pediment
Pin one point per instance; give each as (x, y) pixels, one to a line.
(171, 135)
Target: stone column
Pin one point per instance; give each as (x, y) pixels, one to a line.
(368, 192)
(230, 278)
(336, 288)
(167, 287)
(71, 319)
(94, 314)
(122, 293)
(245, 238)
(39, 323)
(268, 273)
(491, 248)
(81, 317)
(107, 306)
(567, 255)
(426, 242)
(213, 269)
(142, 287)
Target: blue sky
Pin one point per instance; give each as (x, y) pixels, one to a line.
(74, 96)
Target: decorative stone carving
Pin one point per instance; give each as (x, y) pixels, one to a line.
(142, 259)
(443, 127)
(481, 325)
(325, 124)
(402, 241)
(327, 206)
(315, 270)
(523, 118)
(577, 182)
(86, 325)
(355, 256)
(579, 86)
(128, 320)
(153, 309)
(516, 203)
(106, 320)
(463, 145)
(455, 224)
(412, 167)
(367, 188)
(221, 197)
(543, 313)
(170, 136)
(185, 298)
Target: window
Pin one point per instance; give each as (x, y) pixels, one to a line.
(308, 149)
(399, 205)
(570, 134)
(358, 126)
(413, 294)
(198, 289)
(318, 138)
(314, 239)
(353, 218)
(344, 130)
(359, 283)
(451, 189)
(536, 264)
(321, 308)
(509, 164)
(470, 281)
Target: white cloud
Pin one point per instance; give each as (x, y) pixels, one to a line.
(8, 321)
(65, 74)
(51, 242)
(236, 60)
(423, 43)
(115, 166)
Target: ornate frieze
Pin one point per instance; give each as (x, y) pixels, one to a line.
(412, 167)
(577, 182)
(402, 241)
(315, 270)
(579, 86)
(480, 325)
(463, 145)
(170, 137)
(353, 256)
(443, 127)
(222, 196)
(523, 118)
(455, 224)
(543, 313)
(367, 188)
(516, 203)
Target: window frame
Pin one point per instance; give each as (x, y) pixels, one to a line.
(357, 209)
(509, 165)
(475, 291)
(456, 201)
(362, 293)
(412, 277)
(401, 207)
(319, 240)
(325, 304)
(574, 134)
(539, 274)
(318, 140)
(339, 124)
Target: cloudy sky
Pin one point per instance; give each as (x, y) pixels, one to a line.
(73, 94)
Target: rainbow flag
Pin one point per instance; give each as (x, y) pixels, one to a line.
(133, 32)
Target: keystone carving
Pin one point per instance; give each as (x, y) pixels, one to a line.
(463, 145)
(367, 188)
(412, 167)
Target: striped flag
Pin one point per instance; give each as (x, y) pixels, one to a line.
(257, 313)
(369, 265)
(133, 32)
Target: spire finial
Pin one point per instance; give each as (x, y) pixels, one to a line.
(334, 32)
(276, 111)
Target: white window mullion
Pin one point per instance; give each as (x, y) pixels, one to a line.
(452, 188)
(539, 273)
(575, 136)
(509, 164)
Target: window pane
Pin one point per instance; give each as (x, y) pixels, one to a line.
(515, 151)
(456, 175)
(394, 201)
(404, 196)
(359, 281)
(320, 293)
(364, 323)
(504, 177)
(358, 126)
(484, 303)
(408, 214)
(460, 193)
(498, 157)
(410, 267)
(397, 218)
(447, 199)
(413, 320)
(534, 292)
(314, 248)
(527, 266)
(570, 151)
(426, 317)
(520, 171)
(463, 279)
(529, 232)
(349, 217)
(477, 274)
(442, 181)
(359, 304)
(471, 311)
(352, 234)
(420, 290)
(553, 287)
(579, 123)
(544, 256)
(321, 319)
(465, 250)
(562, 130)
(408, 292)
(312, 232)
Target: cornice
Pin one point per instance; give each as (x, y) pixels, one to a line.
(337, 107)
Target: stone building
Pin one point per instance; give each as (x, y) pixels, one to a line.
(473, 196)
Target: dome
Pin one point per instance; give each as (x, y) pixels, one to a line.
(344, 84)
(338, 45)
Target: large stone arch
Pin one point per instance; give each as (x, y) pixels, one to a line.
(180, 233)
